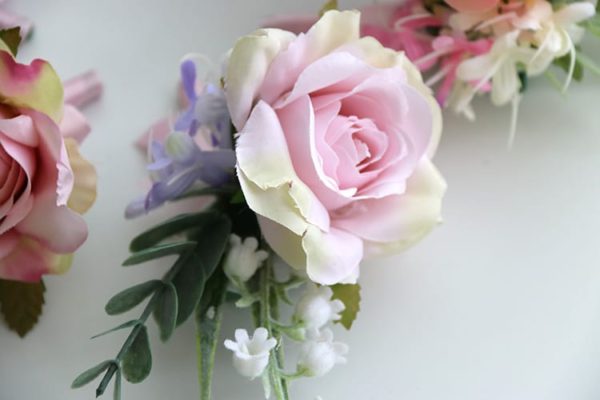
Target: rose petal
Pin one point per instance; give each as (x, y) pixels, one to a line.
(264, 164)
(35, 86)
(27, 260)
(83, 195)
(57, 227)
(249, 61)
(74, 124)
(284, 242)
(331, 257)
(20, 129)
(393, 223)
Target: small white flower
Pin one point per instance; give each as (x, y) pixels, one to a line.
(316, 309)
(320, 353)
(243, 260)
(251, 356)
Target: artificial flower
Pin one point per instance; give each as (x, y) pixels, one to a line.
(319, 354)
(473, 6)
(46, 183)
(251, 355)
(335, 138)
(315, 308)
(243, 258)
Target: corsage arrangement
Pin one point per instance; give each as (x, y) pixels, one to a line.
(46, 184)
(315, 151)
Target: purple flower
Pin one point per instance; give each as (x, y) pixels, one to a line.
(197, 153)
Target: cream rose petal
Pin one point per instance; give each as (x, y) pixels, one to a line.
(270, 184)
(331, 257)
(83, 195)
(249, 61)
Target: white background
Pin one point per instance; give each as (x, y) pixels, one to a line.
(501, 302)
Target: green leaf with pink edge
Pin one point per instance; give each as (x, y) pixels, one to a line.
(12, 38)
(350, 296)
(21, 304)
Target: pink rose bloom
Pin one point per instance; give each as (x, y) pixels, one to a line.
(336, 134)
(45, 183)
(473, 6)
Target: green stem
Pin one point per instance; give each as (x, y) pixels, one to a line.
(207, 337)
(267, 299)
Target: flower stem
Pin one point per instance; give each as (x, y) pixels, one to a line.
(269, 310)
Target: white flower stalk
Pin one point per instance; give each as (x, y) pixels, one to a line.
(251, 355)
(243, 259)
(316, 309)
(553, 33)
(320, 354)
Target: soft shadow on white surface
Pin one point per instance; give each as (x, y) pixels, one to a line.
(501, 302)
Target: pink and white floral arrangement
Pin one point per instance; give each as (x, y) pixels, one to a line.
(313, 143)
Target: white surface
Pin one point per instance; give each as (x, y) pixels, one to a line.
(501, 302)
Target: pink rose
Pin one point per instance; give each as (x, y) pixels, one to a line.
(45, 183)
(473, 6)
(335, 138)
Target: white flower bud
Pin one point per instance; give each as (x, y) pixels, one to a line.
(243, 260)
(316, 309)
(251, 356)
(320, 354)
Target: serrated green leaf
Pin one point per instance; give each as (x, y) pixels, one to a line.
(127, 324)
(137, 362)
(173, 226)
(129, 298)
(211, 240)
(165, 311)
(91, 374)
(12, 38)
(350, 296)
(21, 304)
(158, 251)
(328, 6)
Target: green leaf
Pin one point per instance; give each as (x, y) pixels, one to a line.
(137, 361)
(211, 240)
(21, 304)
(350, 296)
(91, 374)
(208, 324)
(165, 311)
(588, 63)
(158, 251)
(173, 226)
(328, 6)
(12, 38)
(129, 298)
(127, 324)
(564, 63)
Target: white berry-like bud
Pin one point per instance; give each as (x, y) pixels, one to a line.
(243, 260)
(316, 309)
(251, 356)
(320, 353)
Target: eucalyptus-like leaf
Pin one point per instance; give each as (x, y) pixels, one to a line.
(158, 251)
(129, 298)
(211, 240)
(165, 311)
(91, 374)
(127, 324)
(21, 304)
(173, 226)
(137, 361)
(350, 296)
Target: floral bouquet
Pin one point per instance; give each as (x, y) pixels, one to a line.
(312, 148)
(46, 183)
(316, 151)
